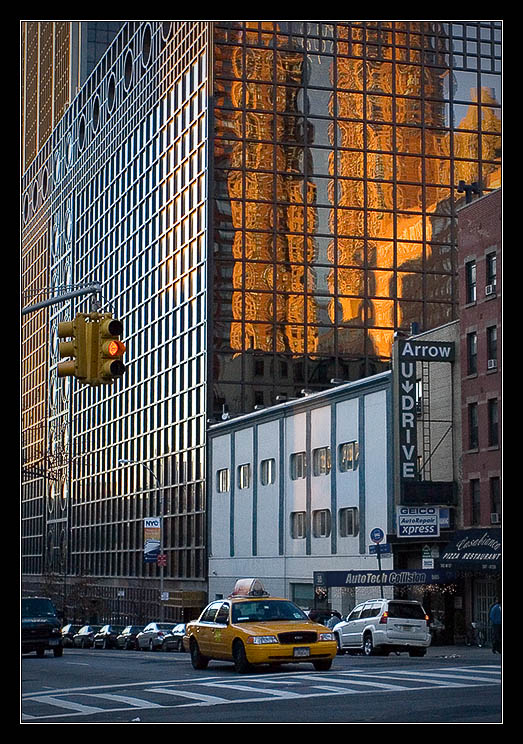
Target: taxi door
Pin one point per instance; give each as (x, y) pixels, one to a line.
(221, 641)
(204, 630)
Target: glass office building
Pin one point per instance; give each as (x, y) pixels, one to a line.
(264, 205)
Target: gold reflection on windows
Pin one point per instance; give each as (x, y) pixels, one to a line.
(357, 176)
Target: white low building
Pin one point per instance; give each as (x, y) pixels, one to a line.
(298, 487)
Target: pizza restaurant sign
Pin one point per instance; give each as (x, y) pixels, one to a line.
(474, 548)
(410, 352)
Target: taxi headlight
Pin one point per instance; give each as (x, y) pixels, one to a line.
(258, 640)
(326, 637)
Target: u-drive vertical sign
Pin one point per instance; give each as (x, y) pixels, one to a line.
(409, 353)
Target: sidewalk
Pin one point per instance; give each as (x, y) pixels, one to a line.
(461, 650)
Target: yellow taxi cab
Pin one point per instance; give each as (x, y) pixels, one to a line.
(250, 627)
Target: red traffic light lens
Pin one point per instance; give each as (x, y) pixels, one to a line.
(114, 348)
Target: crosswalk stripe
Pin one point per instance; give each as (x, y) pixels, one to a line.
(351, 681)
(134, 702)
(210, 699)
(69, 704)
(472, 677)
(247, 688)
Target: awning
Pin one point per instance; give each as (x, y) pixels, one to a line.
(473, 549)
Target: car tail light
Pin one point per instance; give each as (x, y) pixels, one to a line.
(384, 617)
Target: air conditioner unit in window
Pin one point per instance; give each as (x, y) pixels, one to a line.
(495, 518)
(490, 289)
(492, 363)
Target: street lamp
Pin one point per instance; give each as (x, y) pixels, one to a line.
(160, 489)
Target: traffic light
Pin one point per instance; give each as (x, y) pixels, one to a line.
(109, 349)
(94, 350)
(74, 350)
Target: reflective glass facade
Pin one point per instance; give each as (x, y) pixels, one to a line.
(338, 152)
(264, 204)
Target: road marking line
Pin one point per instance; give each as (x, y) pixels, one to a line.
(69, 704)
(448, 675)
(381, 685)
(134, 702)
(209, 699)
(247, 688)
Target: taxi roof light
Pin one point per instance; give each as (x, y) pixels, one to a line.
(249, 588)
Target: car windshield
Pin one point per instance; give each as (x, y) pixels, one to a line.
(32, 607)
(406, 610)
(266, 610)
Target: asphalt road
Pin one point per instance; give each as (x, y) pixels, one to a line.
(449, 685)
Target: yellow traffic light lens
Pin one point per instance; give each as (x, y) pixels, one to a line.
(113, 348)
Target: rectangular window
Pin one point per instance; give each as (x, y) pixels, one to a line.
(472, 353)
(470, 281)
(321, 461)
(495, 500)
(348, 522)
(492, 347)
(348, 454)
(321, 523)
(473, 426)
(490, 271)
(267, 471)
(493, 428)
(222, 480)
(474, 501)
(298, 525)
(298, 465)
(244, 475)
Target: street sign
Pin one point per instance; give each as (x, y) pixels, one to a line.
(377, 535)
(384, 548)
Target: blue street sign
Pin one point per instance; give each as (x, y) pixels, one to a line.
(385, 548)
(377, 535)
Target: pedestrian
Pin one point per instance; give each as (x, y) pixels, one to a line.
(495, 620)
(333, 620)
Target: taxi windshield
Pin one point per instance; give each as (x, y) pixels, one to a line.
(266, 610)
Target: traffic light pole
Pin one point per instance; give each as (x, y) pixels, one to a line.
(80, 292)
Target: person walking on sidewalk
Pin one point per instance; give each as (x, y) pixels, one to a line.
(495, 620)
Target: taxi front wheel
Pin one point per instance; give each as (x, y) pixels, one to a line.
(240, 658)
(197, 659)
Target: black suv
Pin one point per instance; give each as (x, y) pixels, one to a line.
(41, 628)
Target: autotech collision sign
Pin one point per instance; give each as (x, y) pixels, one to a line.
(411, 352)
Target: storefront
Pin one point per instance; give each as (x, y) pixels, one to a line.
(474, 557)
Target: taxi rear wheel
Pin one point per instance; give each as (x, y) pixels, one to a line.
(240, 657)
(197, 659)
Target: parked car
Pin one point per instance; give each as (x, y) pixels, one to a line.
(127, 638)
(85, 636)
(152, 635)
(384, 625)
(106, 636)
(68, 631)
(174, 639)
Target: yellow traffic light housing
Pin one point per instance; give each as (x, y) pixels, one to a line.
(110, 349)
(94, 350)
(74, 350)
